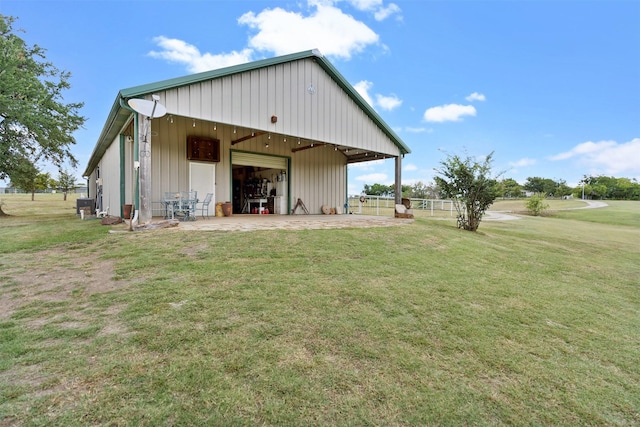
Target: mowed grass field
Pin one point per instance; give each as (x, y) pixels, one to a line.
(533, 321)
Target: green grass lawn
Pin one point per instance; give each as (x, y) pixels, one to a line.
(530, 322)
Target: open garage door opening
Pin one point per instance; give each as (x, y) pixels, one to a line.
(260, 183)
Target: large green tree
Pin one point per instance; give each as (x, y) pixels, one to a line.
(471, 187)
(35, 122)
(608, 187)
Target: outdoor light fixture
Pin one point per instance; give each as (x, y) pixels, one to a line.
(266, 145)
(269, 136)
(335, 148)
(285, 139)
(194, 122)
(170, 119)
(298, 141)
(234, 129)
(215, 126)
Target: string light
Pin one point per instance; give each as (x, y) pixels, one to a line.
(194, 122)
(215, 126)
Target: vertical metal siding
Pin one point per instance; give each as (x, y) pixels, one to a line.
(109, 167)
(318, 177)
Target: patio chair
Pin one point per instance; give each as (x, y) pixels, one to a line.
(205, 205)
(188, 202)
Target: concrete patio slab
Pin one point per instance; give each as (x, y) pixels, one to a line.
(248, 222)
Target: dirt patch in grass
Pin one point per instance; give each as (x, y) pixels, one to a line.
(46, 278)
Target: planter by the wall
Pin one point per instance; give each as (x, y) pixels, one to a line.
(126, 211)
(227, 208)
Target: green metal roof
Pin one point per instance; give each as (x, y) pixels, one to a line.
(120, 112)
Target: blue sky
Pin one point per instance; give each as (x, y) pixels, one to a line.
(551, 87)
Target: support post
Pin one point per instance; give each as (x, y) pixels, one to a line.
(144, 151)
(398, 190)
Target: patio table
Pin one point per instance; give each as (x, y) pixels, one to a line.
(181, 204)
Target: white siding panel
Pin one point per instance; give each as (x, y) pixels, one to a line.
(245, 97)
(227, 100)
(266, 99)
(205, 100)
(184, 101)
(250, 99)
(195, 96)
(318, 177)
(236, 99)
(216, 101)
(110, 174)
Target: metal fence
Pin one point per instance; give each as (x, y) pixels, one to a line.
(385, 206)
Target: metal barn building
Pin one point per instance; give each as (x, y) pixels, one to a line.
(290, 122)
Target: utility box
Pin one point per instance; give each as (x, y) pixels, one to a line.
(85, 203)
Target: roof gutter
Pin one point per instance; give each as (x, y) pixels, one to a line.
(106, 138)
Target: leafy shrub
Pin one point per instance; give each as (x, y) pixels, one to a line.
(536, 205)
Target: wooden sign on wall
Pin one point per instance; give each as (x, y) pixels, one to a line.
(203, 148)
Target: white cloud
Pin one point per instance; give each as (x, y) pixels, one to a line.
(417, 130)
(475, 96)
(327, 28)
(380, 178)
(410, 167)
(322, 26)
(385, 102)
(388, 103)
(522, 163)
(609, 157)
(385, 12)
(175, 50)
(362, 87)
(380, 12)
(449, 113)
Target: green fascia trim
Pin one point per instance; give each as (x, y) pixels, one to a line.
(120, 112)
(118, 117)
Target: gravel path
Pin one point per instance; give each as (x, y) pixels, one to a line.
(506, 216)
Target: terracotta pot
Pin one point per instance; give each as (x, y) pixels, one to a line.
(126, 211)
(227, 208)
